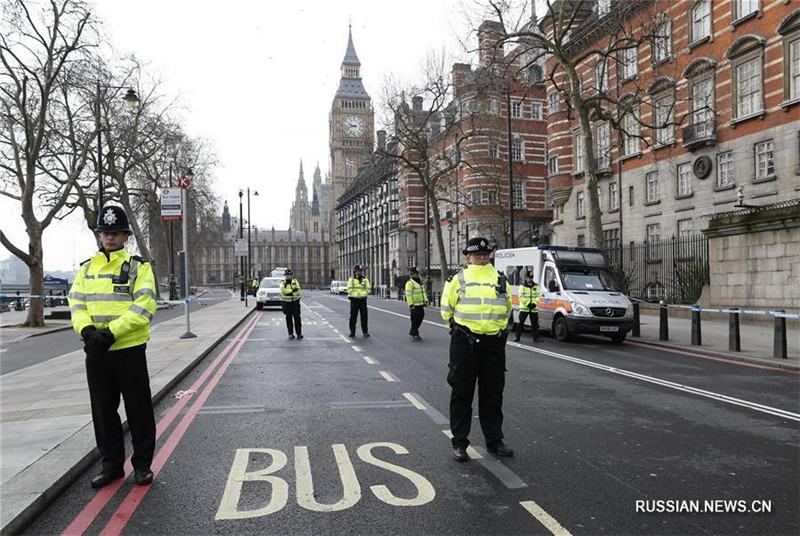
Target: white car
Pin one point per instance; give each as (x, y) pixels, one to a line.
(269, 292)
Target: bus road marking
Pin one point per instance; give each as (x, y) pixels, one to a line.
(544, 518)
(369, 360)
(411, 398)
(387, 376)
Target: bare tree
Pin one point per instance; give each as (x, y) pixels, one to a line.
(39, 47)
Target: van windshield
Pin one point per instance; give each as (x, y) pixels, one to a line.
(589, 279)
(269, 282)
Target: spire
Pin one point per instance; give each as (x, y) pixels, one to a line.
(350, 57)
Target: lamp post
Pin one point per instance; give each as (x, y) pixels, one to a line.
(243, 296)
(132, 99)
(510, 171)
(173, 291)
(249, 267)
(184, 201)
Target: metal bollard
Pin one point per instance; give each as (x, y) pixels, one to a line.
(663, 322)
(734, 340)
(637, 326)
(779, 348)
(697, 333)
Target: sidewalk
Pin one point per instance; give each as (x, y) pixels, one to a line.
(10, 322)
(756, 340)
(46, 435)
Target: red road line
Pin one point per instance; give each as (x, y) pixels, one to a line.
(86, 517)
(134, 498)
(712, 358)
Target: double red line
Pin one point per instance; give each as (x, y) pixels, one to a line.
(128, 506)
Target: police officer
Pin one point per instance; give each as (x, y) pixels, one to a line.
(357, 291)
(476, 301)
(290, 303)
(254, 286)
(528, 295)
(416, 297)
(112, 301)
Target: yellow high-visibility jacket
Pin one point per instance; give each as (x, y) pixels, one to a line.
(101, 297)
(290, 291)
(528, 298)
(471, 298)
(415, 293)
(358, 289)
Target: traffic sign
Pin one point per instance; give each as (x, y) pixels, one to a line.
(171, 204)
(184, 182)
(240, 248)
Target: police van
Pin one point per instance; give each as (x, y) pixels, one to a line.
(577, 292)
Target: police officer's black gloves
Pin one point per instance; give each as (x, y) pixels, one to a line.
(100, 341)
(86, 333)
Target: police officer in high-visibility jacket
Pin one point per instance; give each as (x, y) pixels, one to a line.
(290, 303)
(476, 302)
(112, 301)
(357, 291)
(416, 297)
(528, 295)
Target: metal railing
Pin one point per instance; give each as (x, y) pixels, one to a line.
(699, 132)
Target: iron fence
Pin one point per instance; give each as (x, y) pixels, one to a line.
(674, 269)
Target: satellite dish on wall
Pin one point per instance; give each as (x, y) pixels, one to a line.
(702, 167)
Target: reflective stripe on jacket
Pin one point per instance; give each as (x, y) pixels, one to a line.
(100, 297)
(290, 292)
(471, 298)
(415, 293)
(357, 288)
(529, 298)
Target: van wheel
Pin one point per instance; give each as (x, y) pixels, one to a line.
(560, 329)
(259, 306)
(618, 338)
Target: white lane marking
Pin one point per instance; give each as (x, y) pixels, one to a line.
(345, 339)
(471, 452)
(545, 519)
(306, 498)
(411, 398)
(369, 360)
(641, 377)
(386, 376)
(356, 348)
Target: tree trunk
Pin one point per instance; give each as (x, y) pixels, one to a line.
(35, 317)
(444, 268)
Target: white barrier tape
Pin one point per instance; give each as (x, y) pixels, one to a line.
(178, 302)
(776, 314)
(32, 296)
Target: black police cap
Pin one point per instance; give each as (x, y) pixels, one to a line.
(112, 218)
(288, 272)
(478, 245)
(413, 270)
(357, 267)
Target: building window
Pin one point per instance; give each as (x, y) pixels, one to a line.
(611, 237)
(536, 110)
(552, 165)
(743, 8)
(662, 42)
(765, 160)
(534, 74)
(476, 197)
(630, 133)
(654, 233)
(578, 153)
(601, 77)
(665, 111)
(410, 261)
(603, 146)
(652, 187)
(519, 195)
(492, 198)
(685, 228)
(494, 149)
(725, 176)
(613, 196)
(579, 208)
(603, 7)
(685, 179)
(581, 241)
(552, 102)
(703, 107)
(630, 196)
(629, 63)
(794, 69)
(700, 21)
(748, 88)
(516, 109)
(517, 149)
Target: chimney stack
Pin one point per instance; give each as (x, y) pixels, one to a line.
(381, 140)
(489, 34)
(459, 74)
(417, 103)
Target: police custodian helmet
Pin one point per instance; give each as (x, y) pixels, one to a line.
(357, 268)
(476, 245)
(413, 270)
(112, 218)
(288, 271)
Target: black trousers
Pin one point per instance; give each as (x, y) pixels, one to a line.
(358, 306)
(292, 312)
(111, 374)
(483, 362)
(417, 315)
(534, 324)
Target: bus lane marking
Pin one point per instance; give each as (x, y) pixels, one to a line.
(545, 519)
(411, 398)
(356, 348)
(494, 466)
(388, 376)
(369, 360)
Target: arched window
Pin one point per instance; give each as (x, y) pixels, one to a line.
(790, 30)
(662, 94)
(535, 75)
(700, 22)
(747, 72)
(700, 76)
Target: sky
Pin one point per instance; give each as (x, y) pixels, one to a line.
(256, 79)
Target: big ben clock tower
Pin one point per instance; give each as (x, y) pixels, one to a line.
(351, 131)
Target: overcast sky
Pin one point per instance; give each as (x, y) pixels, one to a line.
(257, 80)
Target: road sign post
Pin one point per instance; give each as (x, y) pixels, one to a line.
(188, 335)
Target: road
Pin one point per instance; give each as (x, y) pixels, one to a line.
(16, 355)
(331, 435)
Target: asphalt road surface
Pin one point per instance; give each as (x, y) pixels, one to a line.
(26, 352)
(331, 435)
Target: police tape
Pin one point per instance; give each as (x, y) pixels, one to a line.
(37, 296)
(776, 314)
(62, 297)
(189, 300)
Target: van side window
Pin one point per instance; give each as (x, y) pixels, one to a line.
(549, 275)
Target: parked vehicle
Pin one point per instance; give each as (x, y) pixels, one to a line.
(338, 287)
(577, 293)
(269, 292)
(278, 272)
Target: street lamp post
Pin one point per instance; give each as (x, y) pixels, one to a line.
(173, 291)
(243, 296)
(184, 201)
(132, 99)
(510, 171)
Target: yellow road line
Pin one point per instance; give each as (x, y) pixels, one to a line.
(471, 452)
(387, 376)
(368, 359)
(411, 398)
(545, 519)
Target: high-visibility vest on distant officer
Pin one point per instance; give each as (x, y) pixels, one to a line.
(358, 287)
(478, 298)
(290, 290)
(415, 293)
(529, 298)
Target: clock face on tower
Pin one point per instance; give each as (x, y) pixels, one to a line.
(353, 125)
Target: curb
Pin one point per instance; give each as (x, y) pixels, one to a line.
(29, 514)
